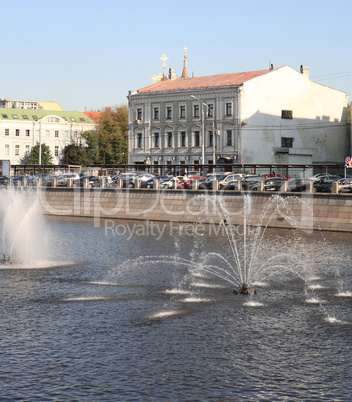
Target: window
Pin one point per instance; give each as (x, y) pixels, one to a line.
(47, 133)
(196, 139)
(72, 119)
(139, 114)
(156, 113)
(210, 138)
(15, 116)
(82, 119)
(25, 117)
(228, 110)
(56, 150)
(7, 149)
(28, 148)
(7, 131)
(169, 112)
(56, 134)
(286, 142)
(182, 112)
(5, 116)
(210, 110)
(156, 140)
(228, 137)
(196, 111)
(183, 138)
(35, 118)
(286, 114)
(169, 140)
(17, 132)
(139, 140)
(17, 149)
(66, 134)
(27, 133)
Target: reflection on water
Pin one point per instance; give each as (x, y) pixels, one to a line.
(138, 318)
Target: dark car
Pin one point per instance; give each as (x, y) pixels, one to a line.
(273, 184)
(207, 183)
(299, 184)
(150, 182)
(4, 180)
(252, 183)
(131, 183)
(92, 181)
(231, 185)
(324, 184)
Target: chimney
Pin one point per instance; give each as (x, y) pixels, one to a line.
(172, 73)
(305, 71)
(272, 66)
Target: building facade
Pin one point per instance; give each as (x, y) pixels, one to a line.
(21, 129)
(270, 116)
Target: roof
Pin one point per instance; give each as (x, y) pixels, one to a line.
(93, 115)
(212, 81)
(34, 115)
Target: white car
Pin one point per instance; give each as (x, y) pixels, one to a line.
(62, 180)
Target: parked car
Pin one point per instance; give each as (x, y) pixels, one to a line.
(170, 182)
(229, 178)
(299, 184)
(125, 177)
(4, 180)
(231, 185)
(150, 182)
(324, 184)
(130, 183)
(91, 180)
(188, 183)
(345, 185)
(19, 180)
(207, 183)
(251, 183)
(62, 179)
(319, 175)
(273, 184)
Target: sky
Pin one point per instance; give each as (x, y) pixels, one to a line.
(87, 55)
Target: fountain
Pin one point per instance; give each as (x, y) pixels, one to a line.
(24, 240)
(252, 258)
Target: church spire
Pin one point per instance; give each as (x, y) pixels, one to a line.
(185, 71)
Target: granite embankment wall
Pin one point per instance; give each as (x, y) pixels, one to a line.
(304, 210)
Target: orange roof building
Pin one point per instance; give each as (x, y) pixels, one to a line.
(276, 115)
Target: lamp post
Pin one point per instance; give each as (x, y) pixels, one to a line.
(40, 142)
(203, 131)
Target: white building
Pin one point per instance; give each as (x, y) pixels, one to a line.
(21, 129)
(271, 116)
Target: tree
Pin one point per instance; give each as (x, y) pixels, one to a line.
(76, 155)
(46, 157)
(113, 135)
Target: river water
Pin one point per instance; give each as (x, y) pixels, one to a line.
(115, 313)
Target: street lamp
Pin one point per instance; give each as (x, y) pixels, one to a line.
(203, 131)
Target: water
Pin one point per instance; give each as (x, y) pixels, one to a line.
(118, 317)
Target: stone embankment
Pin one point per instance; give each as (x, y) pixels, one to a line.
(282, 210)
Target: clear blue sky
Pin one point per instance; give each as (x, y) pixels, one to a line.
(89, 54)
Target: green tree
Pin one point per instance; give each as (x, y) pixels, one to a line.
(76, 155)
(112, 135)
(46, 157)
